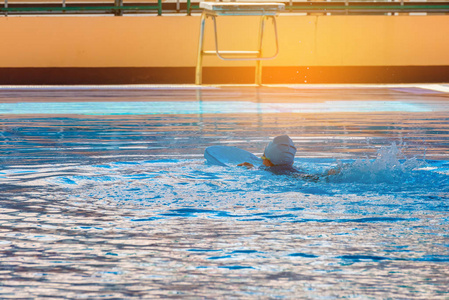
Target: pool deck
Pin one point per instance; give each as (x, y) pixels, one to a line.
(444, 87)
(298, 93)
(434, 86)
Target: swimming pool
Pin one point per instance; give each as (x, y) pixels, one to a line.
(105, 193)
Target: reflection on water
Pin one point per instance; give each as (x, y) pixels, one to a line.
(124, 206)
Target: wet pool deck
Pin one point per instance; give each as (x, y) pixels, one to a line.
(423, 93)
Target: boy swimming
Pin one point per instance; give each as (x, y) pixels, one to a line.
(279, 156)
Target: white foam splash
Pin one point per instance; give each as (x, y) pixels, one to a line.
(389, 166)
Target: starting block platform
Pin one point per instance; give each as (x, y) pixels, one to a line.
(214, 9)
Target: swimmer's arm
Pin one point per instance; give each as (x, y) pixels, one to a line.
(306, 176)
(316, 177)
(246, 164)
(334, 171)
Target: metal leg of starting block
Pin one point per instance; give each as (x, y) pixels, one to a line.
(258, 72)
(199, 61)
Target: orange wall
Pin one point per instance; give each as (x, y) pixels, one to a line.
(151, 41)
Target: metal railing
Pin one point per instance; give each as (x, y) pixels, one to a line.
(119, 7)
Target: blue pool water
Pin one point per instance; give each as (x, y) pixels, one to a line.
(105, 194)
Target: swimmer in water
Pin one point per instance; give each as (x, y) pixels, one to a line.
(278, 158)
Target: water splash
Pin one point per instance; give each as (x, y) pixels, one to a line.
(389, 166)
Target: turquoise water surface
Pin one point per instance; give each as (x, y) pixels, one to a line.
(106, 194)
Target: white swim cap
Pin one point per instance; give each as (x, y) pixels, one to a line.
(281, 151)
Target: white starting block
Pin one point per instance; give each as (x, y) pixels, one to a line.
(214, 9)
